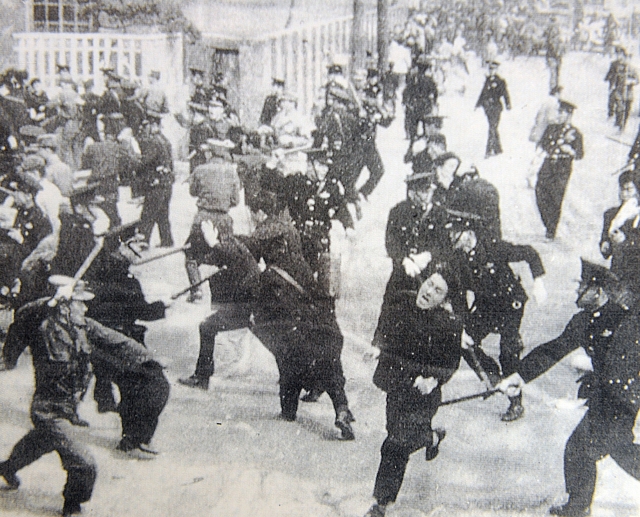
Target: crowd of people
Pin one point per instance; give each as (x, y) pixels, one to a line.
(66, 257)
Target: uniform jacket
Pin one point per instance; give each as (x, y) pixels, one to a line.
(557, 135)
(216, 185)
(110, 162)
(417, 343)
(486, 272)
(119, 300)
(155, 168)
(597, 333)
(312, 205)
(420, 93)
(238, 277)
(494, 93)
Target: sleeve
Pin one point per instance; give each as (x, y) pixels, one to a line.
(546, 138)
(481, 97)
(611, 74)
(604, 237)
(393, 236)
(544, 356)
(121, 351)
(505, 94)
(524, 253)
(24, 328)
(235, 188)
(578, 146)
(634, 153)
(194, 183)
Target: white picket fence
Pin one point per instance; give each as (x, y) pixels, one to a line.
(132, 55)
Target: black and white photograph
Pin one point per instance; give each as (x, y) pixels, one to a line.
(319, 258)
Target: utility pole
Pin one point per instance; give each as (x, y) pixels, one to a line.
(383, 35)
(358, 37)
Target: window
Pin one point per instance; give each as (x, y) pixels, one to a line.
(59, 16)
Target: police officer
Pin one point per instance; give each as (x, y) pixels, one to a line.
(493, 99)
(562, 143)
(373, 113)
(498, 299)
(233, 290)
(415, 230)
(420, 96)
(337, 128)
(154, 180)
(608, 332)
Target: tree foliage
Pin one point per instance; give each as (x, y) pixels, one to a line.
(125, 14)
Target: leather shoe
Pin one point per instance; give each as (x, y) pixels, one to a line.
(343, 422)
(570, 510)
(13, 482)
(195, 382)
(71, 508)
(432, 451)
(377, 510)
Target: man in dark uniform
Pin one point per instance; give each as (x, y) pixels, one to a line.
(499, 299)
(609, 333)
(624, 81)
(295, 319)
(612, 78)
(132, 109)
(493, 99)
(90, 111)
(154, 180)
(233, 290)
(119, 304)
(337, 129)
(61, 360)
(111, 99)
(563, 143)
(416, 229)
(374, 114)
(419, 97)
(313, 204)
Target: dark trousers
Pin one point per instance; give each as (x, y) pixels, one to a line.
(493, 140)
(104, 372)
(553, 178)
(611, 105)
(110, 207)
(622, 110)
(409, 415)
(227, 316)
(156, 210)
(603, 430)
(290, 390)
(53, 432)
(144, 395)
(370, 158)
(511, 345)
